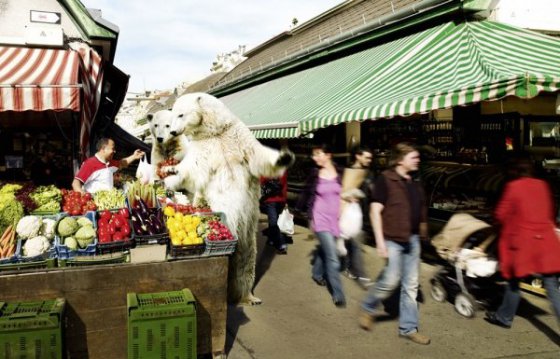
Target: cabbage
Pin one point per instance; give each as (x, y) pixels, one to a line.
(71, 243)
(67, 227)
(85, 236)
(84, 221)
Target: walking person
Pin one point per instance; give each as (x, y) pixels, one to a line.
(399, 218)
(352, 263)
(320, 199)
(273, 199)
(528, 242)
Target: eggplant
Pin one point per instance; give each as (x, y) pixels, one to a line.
(157, 226)
(143, 207)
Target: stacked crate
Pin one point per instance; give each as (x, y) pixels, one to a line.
(31, 330)
(162, 325)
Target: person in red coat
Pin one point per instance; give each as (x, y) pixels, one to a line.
(528, 242)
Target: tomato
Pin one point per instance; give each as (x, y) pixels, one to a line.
(74, 211)
(87, 196)
(112, 228)
(118, 236)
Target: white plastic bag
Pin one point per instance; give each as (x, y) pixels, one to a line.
(350, 221)
(286, 222)
(341, 247)
(144, 171)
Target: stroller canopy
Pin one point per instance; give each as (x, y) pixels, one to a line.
(459, 227)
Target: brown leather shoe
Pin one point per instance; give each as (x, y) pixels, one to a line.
(416, 338)
(365, 320)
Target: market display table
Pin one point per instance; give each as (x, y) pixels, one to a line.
(96, 318)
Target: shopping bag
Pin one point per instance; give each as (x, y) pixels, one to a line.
(286, 222)
(144, 171)
(341, 247)
(350, 221)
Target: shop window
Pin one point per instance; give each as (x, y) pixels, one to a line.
(544, 134)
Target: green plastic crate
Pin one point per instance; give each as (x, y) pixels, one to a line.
(162, 325)
(31, 330)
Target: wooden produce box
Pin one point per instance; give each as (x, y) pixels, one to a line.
(96, 306)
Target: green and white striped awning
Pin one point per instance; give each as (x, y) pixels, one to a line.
(445, 66)
(290, 132)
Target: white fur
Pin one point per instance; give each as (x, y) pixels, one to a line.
(223, 164)
(165, 145)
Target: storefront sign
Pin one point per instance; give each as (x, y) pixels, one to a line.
(43, 35)
(47, 17)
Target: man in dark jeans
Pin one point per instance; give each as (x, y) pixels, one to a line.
(399, 219)
(273, 202)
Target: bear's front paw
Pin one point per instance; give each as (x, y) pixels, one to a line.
(286, 159)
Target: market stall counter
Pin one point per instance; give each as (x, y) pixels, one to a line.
(96, 300)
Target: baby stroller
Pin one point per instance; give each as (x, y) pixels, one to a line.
(468, 274)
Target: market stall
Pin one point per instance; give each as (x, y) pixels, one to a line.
(92, 250)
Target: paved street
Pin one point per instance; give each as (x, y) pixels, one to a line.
(298, 319)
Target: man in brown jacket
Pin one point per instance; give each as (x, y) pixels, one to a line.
(399, 218)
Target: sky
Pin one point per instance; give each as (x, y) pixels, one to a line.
(163, 43)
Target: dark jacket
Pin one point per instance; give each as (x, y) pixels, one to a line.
(396, 212)
(307, 195)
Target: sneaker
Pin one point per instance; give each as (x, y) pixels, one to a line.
(340, 303)
(492, 319)
(321, 282)
(282, 250)
(349, 274)
(416, 338)
(365, 320)
(364, 282)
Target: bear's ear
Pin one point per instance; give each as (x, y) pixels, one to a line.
(150, 117)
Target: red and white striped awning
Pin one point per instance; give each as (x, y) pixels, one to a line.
(39, 79)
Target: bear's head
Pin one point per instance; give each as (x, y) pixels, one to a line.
(160, 126)
(200, 115)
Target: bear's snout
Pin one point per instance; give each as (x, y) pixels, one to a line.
(159, 139)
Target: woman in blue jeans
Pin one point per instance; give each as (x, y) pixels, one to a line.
(320, 199)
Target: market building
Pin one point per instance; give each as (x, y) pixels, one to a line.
(452, 76)
(58, 85)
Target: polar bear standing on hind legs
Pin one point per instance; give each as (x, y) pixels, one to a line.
(223, 164)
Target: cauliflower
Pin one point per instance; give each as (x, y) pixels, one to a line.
(84, 221)
(29, 227)
(36, 246)
(85, 236)
(47, 229)
(67, 227)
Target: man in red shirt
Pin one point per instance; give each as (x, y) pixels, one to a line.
(96, 173)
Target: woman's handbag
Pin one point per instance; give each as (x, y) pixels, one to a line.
(286, 222)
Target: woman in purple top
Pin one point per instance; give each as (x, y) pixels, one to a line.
(320, 199)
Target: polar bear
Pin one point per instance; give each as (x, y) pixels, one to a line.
(223, 165)
(165, 143)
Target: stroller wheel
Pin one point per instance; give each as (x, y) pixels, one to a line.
(438, 292)
(465, 305)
